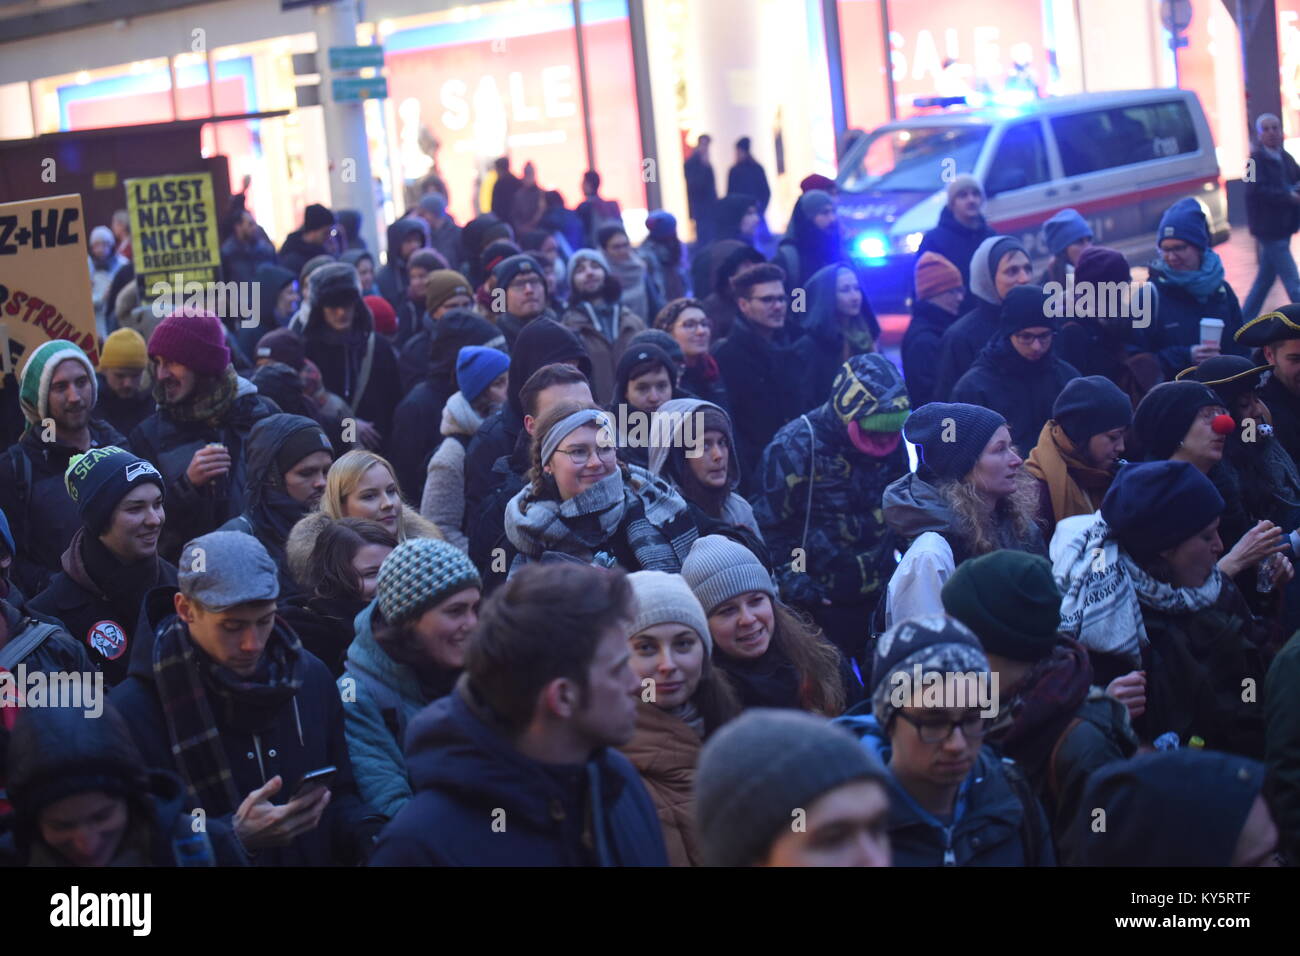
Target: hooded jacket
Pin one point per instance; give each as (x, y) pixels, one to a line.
(956, 243)
(420, 411)
(544, 343)
(579, 317)
(966, 338)
(271, 280)
(1021, 391)
(296, 252)
(55, 743)
(340, 358)
(465, 773)
(996, 820)
(665, 751)
(848, 554)
(824, 345)
(711, 272)
(391, 277)
(921, 348)
(44, 519)
(304, 735)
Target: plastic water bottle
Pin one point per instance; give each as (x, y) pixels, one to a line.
(1264, 577)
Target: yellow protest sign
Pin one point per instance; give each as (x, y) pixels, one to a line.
(44, 278)
(173, 230)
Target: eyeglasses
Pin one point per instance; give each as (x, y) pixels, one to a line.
(769, 299)
(973, 727)
(693, 325)
(1028, 338)
(582, 454)
(527, 283)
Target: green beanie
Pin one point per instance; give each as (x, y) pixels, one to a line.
(1011, 602)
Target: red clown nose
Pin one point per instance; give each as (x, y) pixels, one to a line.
(1223, 425)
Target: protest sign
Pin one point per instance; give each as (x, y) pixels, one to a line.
(173, 230)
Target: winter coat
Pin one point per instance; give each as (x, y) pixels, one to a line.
(1282, 743)
(764, 386)
(918, 513)
(772, 681)
(271, 280)
(997, 821)
(95, 614)
(324, 625)
(305, 735)
(160, 822)
(1021, 391)
(1270, 210)
(1284, 408)
(1259, 482)
(962, 343)
(43, 518)
(956, 243)
(391, 277)
(1112, 350)
(665, 749)
(1176, 325)
(848, 555)
(340, 359)
(443, 498)
(386, 697)
(170, 445)
(122, 414)
(297, 252)
(580, 319)
(703, 380)
(701, 189)
(240, 260)
(920, 350)
(824, 347)
(466, 776)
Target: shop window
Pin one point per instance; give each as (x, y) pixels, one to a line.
(1105, 139)
(1021, 159)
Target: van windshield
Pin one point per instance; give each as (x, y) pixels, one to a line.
(907, 160)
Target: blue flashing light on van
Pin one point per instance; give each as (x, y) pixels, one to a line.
(1120, 159)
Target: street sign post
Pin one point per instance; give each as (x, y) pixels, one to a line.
(352, 88)
(356, 57)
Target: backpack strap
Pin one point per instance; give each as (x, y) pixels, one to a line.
(812, 477)
(1054, 784)
(1028, 802)
(31, 635)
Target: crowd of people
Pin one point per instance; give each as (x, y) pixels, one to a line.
(529, 546)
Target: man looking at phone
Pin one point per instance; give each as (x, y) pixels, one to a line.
(228, 698)
(517, 766)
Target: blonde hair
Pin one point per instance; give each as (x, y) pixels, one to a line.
(344, 476)
(979, 525)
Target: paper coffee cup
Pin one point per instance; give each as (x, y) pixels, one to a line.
(1211, 332)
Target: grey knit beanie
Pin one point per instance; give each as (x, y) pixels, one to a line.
(663, 598)
(718, 569)
(418, 574)
(757, 770)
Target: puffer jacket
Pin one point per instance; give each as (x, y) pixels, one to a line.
(665, 750)
(997, 821)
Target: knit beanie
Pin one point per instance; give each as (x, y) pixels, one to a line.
(124, 348)
(951, 436)
(1025, 307)
(308, 439)
(101, 478)
(508, 269)
(103, 234)
(869, 390)
(441, 285)
(1229, 376)
(1184, 220)
(381, 310)
(1166, 413)
(934, 275)
(719, 569)
(635, 355)
(1064, 229)
(984, 264)
(1090, 405)
(663, 340)
(315, 216)
(814, 201)
(38, 370)
(1153, 506)
(816, 181)
(663, 598)
(418, 574)
(309, 268)
(937, 643)
(761, 767)
(1101, 264)
(962, 182)
(335, 284)
(477, 366)
(196, 340)
(661, 224)
(430, 260)
(283, 345)
(587, 255)
(1010, 600)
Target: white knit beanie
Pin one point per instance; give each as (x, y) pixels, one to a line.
(663, 598)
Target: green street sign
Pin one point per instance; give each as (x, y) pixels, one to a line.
(356, 57)
(352, 88)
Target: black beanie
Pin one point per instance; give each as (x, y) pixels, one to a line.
(1090, 405)
(507, 269)
(635, 355)
(1025, 307)
(1011, 602)
(951, 436)
(100, 478)
(315, 217)
(297, 445)
(1153, 506)
(1166, 413)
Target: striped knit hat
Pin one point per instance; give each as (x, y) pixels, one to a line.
(34, 387)
(418, 574)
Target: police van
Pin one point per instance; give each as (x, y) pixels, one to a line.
(1121, 159)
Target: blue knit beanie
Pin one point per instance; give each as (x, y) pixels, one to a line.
(1153, 506)
(418, 574)
(1065, 228)
(952, 435)
(477, 366)
(1184, 220)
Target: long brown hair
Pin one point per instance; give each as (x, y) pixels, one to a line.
(978, 524)
(815, 659)
(715, 697)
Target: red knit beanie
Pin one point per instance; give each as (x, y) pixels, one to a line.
(195, 339)
(385, 317)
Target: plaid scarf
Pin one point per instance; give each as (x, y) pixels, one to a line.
(199, 698)
(1045, 703)
(653, 518)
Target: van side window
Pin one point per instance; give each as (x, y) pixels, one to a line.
(1104, 139)
(1021, 159)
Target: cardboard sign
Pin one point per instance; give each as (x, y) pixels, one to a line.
(173, 230)
(44, 278)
